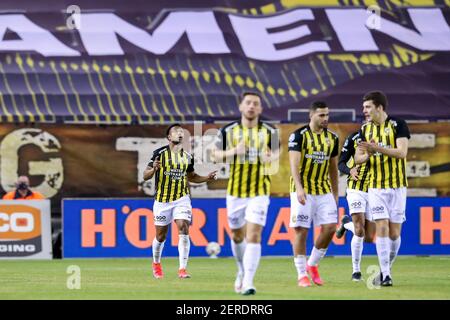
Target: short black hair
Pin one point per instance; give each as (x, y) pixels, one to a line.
(317, 105)
(378, 98)
(250, 93)
(172, 126)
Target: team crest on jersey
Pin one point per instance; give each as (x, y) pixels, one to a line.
(327, 141)
(387, 130)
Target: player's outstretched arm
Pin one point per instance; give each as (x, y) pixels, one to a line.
(195, 178)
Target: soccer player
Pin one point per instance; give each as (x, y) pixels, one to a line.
(172, 168)
(385, 146)
(358, 202)
(313, 151)
(250, 146)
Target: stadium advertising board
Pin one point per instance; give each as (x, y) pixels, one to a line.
(124, 228)
(25, 229)
(85, 161)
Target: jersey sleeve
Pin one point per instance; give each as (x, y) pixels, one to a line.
(347, 151)
(295, 141)
(221, 143)
(154, 156)
(402, 129)
(335, 151)
(190, 167)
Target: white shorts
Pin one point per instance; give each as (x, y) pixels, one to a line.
(165, 212)
(358, 202)
(388, 204)
(253, 210)
(320, 209)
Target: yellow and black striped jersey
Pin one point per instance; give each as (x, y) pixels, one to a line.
(316, 151)
(347, 162)
(170, 180)
(386, 172)
(248, 174)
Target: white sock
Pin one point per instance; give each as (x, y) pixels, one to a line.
(357, 249)
(157, 248)
(350, 227)
(383, 251)
(395, 246)
(184, 245)
(300, 265)
(316, 256)
(238, 250)
(251, 260)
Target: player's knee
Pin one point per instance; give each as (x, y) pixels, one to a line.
(394, 235)
(160, 237)
(301, 234)
(183, 229)
(359, 230)
(382, 230)
(369, 238)
(254, 238)
(238, 237)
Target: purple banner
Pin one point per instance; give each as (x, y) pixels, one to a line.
(141, 62)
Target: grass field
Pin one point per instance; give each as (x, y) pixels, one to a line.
(414, 278)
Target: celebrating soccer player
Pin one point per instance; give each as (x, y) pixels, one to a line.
(385, 145)
(173, 168)
(250, 146)
(361, 223)
(313, 151)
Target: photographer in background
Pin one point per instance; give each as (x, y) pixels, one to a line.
(23, 191)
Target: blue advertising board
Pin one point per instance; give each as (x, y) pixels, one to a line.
(124, 228)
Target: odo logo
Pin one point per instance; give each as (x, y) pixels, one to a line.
(379, 209)
(20, 230)
(356, 204)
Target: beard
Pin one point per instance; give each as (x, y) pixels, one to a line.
(177, 142)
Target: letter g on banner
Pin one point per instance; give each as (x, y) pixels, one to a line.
(51, 169)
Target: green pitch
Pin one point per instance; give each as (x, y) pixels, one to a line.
(414, 278)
